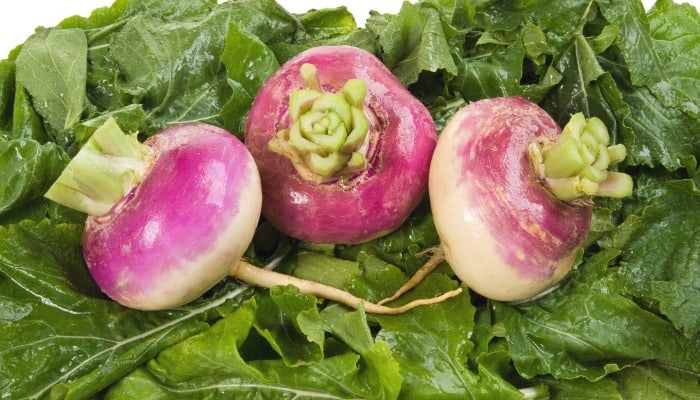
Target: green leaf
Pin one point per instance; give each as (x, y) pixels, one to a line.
(129, 119)
(52, 66)
(210, 364)
(26, 123)
(661, 50)
(103, 24)
(653, 134)
(622, 325)
(249, 62)
(657, 381)
(321, 268)
(582, 389)
(7, 87)
(326, 24)
(342, 376)
(499, 72)
(58, 334)
(29, 168)
(379, 279)
(378, 366)
(415, 40)
(660, 260)
(588, 329)
(172, 69)
(349, 326)
(290, 322)
(404, 249)
(431, 344)
(196, 357)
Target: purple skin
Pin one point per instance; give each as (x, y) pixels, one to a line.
(184, 227)
(359, 206)
(502, 230)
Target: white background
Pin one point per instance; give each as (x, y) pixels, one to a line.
(18, 19)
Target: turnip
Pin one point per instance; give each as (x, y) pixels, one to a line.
(343, 149)
(511, 195)
(170, 217)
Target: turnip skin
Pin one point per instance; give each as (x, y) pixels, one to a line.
(184, 227)
(501, 229)
(362, 206)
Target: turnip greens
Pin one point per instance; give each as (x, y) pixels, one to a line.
(624, 323)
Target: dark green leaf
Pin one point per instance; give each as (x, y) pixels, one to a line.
(290, 322)
(661, 258)
(652, 133)
(416, 40)
(58, 334)
(624, 324)
(431, 344)
(28, 169)
(209, 365)
(249, 62)
(655, 381)
(7, 88)
(26, 123)
(172, 69)
(589, 329)
(661, 51)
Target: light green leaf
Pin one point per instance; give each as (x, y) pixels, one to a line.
(197, 358)
(52, 66)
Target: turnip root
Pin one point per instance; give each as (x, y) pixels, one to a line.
(343, 149)
(171, 217)
(511, 195)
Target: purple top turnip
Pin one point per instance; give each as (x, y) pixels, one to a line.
(168, 218)
(343, 149)
(510, 194)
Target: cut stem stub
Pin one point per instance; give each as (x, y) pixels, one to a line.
(327, 131)
(575, 166)
(107, 167)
